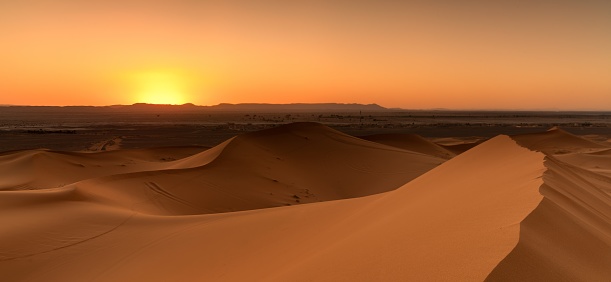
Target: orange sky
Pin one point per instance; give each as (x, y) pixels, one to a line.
(538, 54)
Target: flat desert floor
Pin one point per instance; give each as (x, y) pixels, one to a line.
(306, 197)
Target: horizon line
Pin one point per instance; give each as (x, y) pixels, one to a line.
(321, 103)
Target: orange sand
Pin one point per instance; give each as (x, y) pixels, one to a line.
(359, 211)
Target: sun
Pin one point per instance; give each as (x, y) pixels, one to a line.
(160, 87)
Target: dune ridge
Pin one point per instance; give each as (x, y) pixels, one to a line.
(556, 141)
(499, 211)
(411, 142)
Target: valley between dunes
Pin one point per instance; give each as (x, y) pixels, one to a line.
(303, 202)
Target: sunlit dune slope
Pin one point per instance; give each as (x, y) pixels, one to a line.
(411, 142)
(456, 222)
(42, 169)
(287, 165)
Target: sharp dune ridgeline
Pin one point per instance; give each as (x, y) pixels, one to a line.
(411, 142)
(304, 202)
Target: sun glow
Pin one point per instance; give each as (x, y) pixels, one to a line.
(161, 87)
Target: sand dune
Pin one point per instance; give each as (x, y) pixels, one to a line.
(498, 212)
(42, 169)
(288, 165)
(568, 236)
(411, 142)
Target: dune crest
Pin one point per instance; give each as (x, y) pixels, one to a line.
(556, 141)
(411, 142)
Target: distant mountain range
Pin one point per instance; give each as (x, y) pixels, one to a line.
(247, 107)
(299, 107)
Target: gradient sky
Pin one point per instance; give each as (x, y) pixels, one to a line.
(411, 54)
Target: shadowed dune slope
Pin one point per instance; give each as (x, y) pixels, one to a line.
(458, 145)
(556, 141)
(411, 142)
(42, 169)
(568, 236)
(455, 222)
(292, 164)
(460, 148)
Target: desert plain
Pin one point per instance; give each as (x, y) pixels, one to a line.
(299, 193)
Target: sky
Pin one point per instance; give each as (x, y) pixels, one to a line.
(471, 54)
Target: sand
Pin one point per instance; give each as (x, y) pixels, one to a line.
(303, 202)
(411, 142)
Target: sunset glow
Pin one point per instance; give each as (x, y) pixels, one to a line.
(410, 54)
(157, 87)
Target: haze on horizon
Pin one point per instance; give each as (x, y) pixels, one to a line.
(474, 54)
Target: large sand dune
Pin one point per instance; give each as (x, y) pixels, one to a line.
(293, 164)
(499, 211)
(568, 236)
